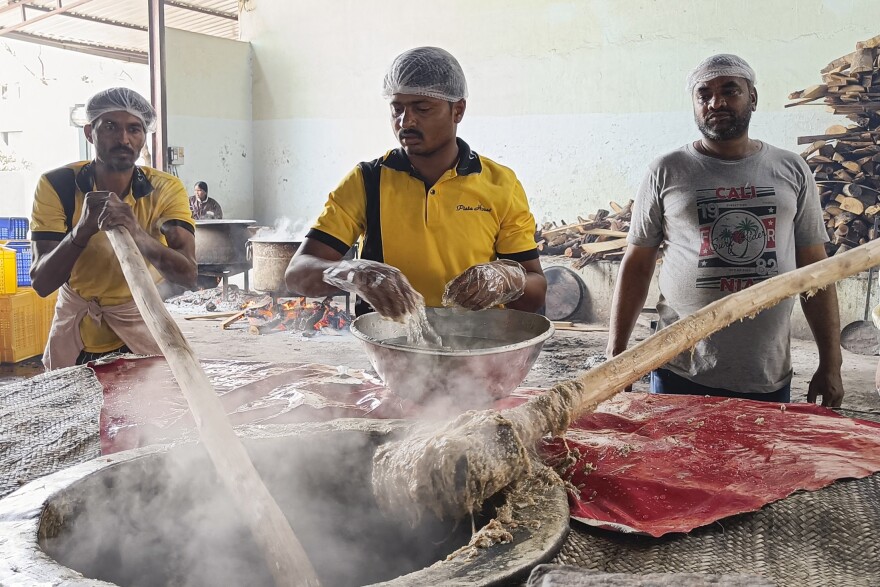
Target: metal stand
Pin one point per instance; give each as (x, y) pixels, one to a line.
(224, 272)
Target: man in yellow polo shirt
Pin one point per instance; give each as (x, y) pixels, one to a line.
(434, 218)
(74, 204)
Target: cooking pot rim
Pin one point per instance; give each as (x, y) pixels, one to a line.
(280, 241)
(215, 221)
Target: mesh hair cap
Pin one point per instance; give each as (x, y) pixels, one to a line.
(720, 65)
(426, 71)
(121, 100)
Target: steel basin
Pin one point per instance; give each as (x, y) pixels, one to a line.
(222, 242)
(158, 516)
(456, 379)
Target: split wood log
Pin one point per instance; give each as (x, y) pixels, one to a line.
(607, 232)
(851, 205)
(602, 247)
(229, 321)
(284, 555)
(212, 316)
(564, 229)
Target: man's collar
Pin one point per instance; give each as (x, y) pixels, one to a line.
(468, 161)
(140, 185)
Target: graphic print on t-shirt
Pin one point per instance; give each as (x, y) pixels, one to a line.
(737, 237)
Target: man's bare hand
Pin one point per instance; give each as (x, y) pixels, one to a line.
(827, 383)
(118, 213)
(89, 220)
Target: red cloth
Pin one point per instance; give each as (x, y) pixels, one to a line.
(642, 463)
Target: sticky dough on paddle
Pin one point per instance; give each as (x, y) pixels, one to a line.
(452, 470)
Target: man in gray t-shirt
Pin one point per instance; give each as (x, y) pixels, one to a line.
(731, 211)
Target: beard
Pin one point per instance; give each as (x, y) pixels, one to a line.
(725, 129)
(118, 160)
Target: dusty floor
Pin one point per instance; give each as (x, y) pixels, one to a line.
(563, 357)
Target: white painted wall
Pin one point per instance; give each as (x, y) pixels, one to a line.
(576, 96)
(208, 85)
(42, 84)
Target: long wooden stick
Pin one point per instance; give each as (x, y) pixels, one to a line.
(606, 380)
(287, 561)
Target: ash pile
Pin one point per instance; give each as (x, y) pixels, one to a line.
(206, 301)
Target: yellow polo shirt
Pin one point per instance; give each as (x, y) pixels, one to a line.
(155, 197)
(475, 213)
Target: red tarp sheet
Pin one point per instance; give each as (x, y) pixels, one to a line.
(650, 464)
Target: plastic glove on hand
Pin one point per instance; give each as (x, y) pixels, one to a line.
(486, 285)
(382, 286)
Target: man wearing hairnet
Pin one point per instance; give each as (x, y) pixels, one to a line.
(436, 221)
(73, 205)
(730, 211)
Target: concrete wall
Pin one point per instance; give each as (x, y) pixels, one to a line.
(209, 114)
(576, 96)
(42, 84)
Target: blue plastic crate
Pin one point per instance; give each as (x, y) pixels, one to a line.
(13, 228)
(23, 260)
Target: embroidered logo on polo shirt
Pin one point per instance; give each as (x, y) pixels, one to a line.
(477, 208)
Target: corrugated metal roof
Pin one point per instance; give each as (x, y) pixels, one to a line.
(114, 28)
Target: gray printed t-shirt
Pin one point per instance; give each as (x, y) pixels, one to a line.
(727, 225)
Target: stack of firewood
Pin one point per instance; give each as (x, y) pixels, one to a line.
(846, 159)
(601, 235)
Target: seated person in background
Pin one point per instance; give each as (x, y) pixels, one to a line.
(437, 221)
(75, 204)
(203, 207)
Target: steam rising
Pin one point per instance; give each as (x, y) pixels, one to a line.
(284, 229)
(165, 519)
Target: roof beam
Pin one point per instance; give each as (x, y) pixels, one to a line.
(158, 93)
(99, 50)
(53, 12)
(107, 21)
(14, 5)
(201, 9)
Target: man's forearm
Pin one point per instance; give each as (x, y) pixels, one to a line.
(305, 276)
(823, 317)
(52, 268)
(630, 293)
(171, 264)
(821, 311)
(534, 295)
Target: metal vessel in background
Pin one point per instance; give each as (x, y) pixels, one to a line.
(270, 258)
(222, 242)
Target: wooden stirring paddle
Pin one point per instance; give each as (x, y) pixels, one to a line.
(453, 469)
(285, 557)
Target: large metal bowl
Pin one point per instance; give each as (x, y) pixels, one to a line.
(456, 379)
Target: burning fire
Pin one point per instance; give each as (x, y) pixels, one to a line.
(298, 314)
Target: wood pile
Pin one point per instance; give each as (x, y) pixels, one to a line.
(846, 159)
(601, 235)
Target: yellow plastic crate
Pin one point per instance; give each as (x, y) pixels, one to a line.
(20, 336)
(8, 276)
(46, 313)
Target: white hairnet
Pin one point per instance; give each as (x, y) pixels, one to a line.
(121, 100)
(720, 65)
(426, 71)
